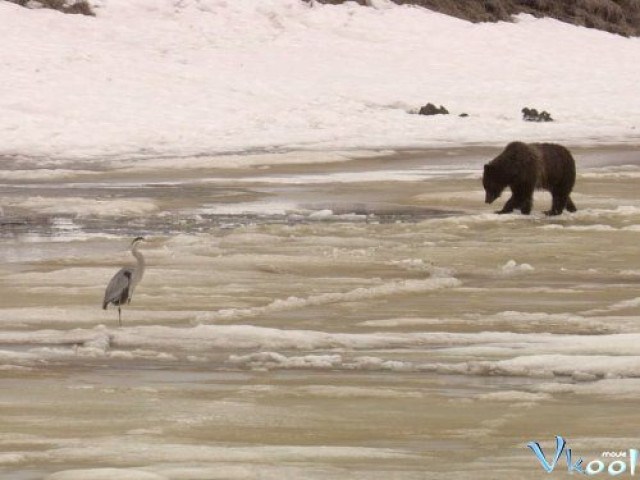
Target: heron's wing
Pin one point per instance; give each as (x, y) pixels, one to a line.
(118, 289)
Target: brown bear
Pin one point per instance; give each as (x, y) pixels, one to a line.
(526, 166)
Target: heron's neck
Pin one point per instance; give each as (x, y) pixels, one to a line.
(140, 263)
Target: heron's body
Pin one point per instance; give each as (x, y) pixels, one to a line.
(121, 287)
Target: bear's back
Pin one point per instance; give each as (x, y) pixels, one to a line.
(558, 164)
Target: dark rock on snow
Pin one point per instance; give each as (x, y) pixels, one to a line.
(431, 109)
(532, 115)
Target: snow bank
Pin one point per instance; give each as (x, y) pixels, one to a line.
(583, 357)
(513, 268)
(106, 474)
(81, 206)
(398, 287)
(628, 388)
(532, 321)
(131, 451)
(209, 76)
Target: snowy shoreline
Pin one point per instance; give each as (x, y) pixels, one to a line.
(18, 168)
(142, 80)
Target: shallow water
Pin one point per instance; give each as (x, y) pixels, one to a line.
(369, 318)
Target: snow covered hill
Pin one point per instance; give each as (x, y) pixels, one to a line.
(154, 77)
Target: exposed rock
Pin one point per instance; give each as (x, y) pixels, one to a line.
(81, 7)
(532, 115)
(615, 16)
(431, 109)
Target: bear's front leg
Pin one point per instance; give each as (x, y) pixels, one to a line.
(519, 200)
(509, 206)
(526, 206)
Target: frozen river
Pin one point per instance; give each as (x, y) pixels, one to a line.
(333, 316)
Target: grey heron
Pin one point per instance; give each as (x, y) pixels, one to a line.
(120, 288)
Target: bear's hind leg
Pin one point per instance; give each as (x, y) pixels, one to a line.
(571, 207)
(558, 204)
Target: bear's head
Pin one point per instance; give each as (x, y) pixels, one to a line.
(492, 182)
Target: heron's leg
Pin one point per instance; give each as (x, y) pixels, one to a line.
(119, 316)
